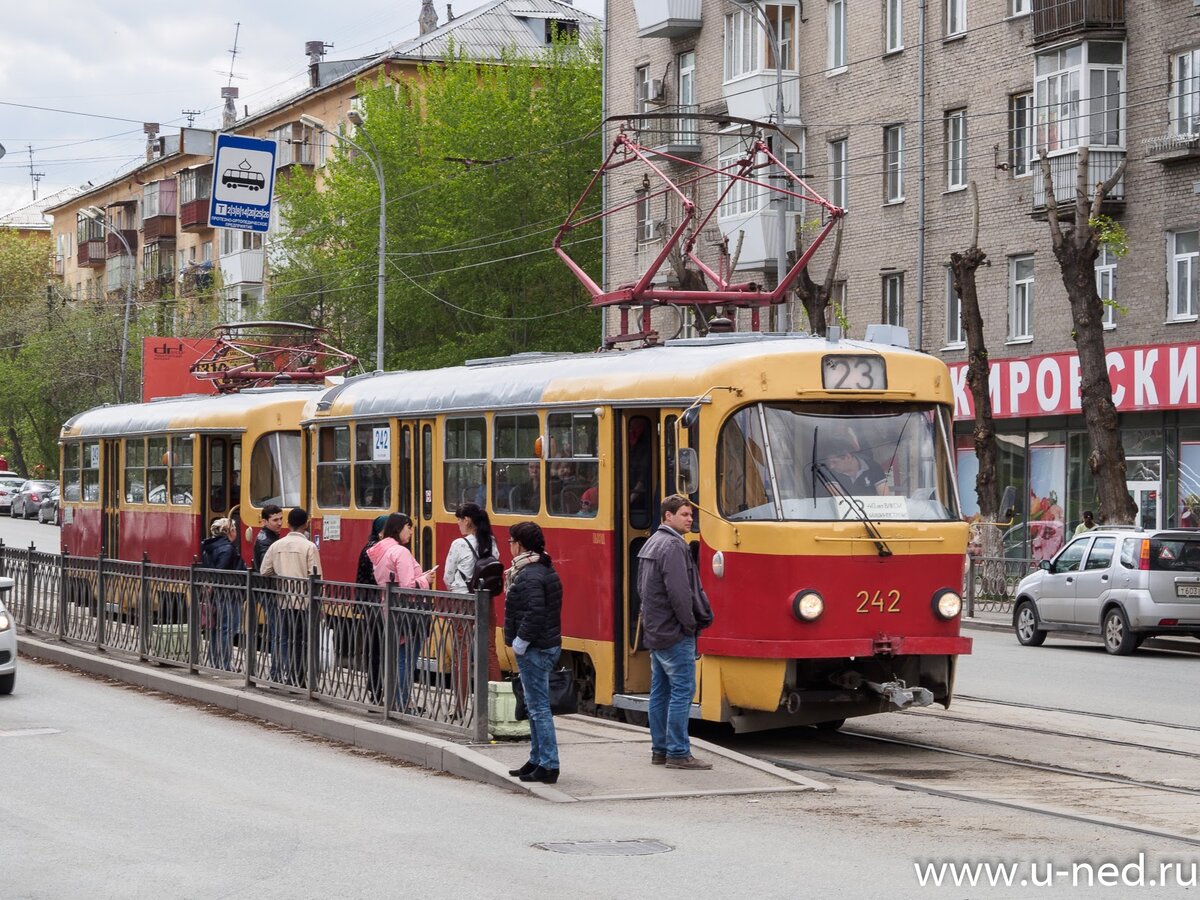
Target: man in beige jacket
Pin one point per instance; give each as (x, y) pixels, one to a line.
(292, 556)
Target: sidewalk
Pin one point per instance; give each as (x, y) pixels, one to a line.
(601, 760)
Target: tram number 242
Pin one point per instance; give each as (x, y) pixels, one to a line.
(879, 601)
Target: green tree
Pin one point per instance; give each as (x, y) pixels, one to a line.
(482, 162)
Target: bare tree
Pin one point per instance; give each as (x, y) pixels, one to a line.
(815, 298)
(1076, 246)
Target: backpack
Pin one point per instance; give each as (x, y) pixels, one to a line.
(488, 574)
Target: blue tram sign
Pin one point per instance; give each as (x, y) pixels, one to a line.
(243, 183)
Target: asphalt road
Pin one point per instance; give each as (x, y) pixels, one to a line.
(21, 532)
(1158, 685)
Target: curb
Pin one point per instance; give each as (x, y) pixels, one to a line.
(429, 752)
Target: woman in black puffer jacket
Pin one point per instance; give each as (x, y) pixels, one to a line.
(533, 628)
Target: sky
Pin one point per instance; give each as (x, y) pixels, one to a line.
(122, 63)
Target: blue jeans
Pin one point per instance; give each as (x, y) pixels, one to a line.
(227, 621)
(535, 667)
(672, 684)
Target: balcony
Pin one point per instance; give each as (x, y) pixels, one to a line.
(157, 228)
(242, 267)
(1101, 164)
(193, 215)
(1171, 148)
(1054, 19)
(760, 246)
(91, 254)
(753, 96)
(667, 18)
(119, 272)
(114, 245)
(677, 133)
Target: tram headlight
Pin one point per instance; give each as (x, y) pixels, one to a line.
(947, 604)
(807, 605)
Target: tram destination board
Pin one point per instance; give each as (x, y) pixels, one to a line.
(846, 372)
(243, 183)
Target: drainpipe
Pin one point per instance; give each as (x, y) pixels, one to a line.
(921, 10)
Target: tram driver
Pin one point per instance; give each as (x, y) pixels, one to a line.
(857, 473)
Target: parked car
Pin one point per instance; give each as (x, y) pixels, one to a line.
(10, 483)
(48, 508)
(1123, 584)
(8, 641)
(26, 501)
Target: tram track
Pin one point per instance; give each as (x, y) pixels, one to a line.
(1092, 714)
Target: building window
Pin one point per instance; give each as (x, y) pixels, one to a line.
(743, 197)
(1185, 274)
(1106, 284)
(234, 241)
(1185, 93)
(835, 18)
(893, 299)
(1020, 134)
(837, 302)
(893, 26)
(794, 160)
(686, 129)
(1020, 297)
(1018, 7)
(741, 44)
(955, 333)
(956, 17)
(956, 149)
(1082, 83)
(783, 19)
(641, 87)
(893, 163)
(645, 222)
(839, 188)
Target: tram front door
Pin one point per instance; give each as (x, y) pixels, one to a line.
(110, 500)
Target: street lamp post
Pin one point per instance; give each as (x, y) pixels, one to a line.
(764, 21)
(97, 215)
(377, 165)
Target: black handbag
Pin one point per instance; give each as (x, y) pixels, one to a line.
(563, 701)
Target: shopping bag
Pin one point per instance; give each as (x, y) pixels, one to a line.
(563, 701)
(327, 648)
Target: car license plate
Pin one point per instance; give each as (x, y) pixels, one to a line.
(1187, 590)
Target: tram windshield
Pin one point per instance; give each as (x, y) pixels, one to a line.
(836, 461)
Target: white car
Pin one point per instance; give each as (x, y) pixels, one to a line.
(10, 485)
(8, 641)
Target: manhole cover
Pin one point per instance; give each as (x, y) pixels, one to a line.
(27, 732)
(640, 847)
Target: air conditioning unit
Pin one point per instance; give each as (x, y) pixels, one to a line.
(658, 91)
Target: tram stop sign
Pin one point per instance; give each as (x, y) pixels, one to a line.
(243, 183)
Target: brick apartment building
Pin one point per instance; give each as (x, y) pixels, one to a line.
(1002, 78)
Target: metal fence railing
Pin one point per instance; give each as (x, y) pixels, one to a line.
(992, 582)
(412, 655)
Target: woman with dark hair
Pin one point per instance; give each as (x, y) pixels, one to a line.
(533, 628)
(476, 542)
(391, 560)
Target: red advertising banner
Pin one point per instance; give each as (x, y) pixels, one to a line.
(1160, 376)
(166, 365)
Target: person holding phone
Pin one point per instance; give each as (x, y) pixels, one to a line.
(391, 561)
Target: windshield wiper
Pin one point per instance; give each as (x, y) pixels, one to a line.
(835, 489)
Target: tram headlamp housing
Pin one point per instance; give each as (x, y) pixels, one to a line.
(947, 604)
(807, 605)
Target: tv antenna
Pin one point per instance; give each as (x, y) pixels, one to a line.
(34, 177)
(191, 115)
(237, 30)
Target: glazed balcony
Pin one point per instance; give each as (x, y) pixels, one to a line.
(1055, 19)
(114, 245)
(157, 228)
(1063, 166)
(667, 18)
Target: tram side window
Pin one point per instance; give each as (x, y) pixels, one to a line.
(91, 471)
(333, 467)
(640, 467)
(275, 469)
(135, 470)
(373, 466)
(405, 498)
(181, 471)
(216, 476)
(70, 472)
(156, 469)
(466, 462)
(516, 471)
(573, 488)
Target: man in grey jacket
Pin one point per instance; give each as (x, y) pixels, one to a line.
(674, 610)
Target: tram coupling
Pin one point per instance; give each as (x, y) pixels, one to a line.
(896, 692)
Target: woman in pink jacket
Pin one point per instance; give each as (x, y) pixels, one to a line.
(392, 561)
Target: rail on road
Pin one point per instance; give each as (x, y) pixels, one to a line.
(410, 655)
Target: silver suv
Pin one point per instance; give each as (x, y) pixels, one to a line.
(1125, 585)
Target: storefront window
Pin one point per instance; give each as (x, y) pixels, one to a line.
(1189, 477)
(1047, 488)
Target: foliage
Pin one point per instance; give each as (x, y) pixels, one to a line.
(1111, 234)
(482, 162)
